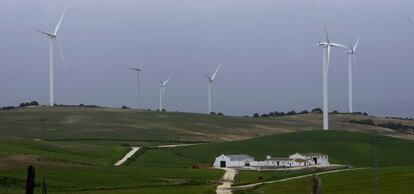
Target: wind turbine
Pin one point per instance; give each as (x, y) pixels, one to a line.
(52, 39)
(326, 45)
(210, 81)
(139, 71)
(162, 90)
(351, 59)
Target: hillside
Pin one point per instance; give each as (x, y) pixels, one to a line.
(73, 147)
(71, 123)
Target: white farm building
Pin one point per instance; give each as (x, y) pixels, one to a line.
(294, 160)
(235, 161)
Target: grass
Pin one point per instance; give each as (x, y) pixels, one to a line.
(350, 148)
(104, 124)
(78, 147)
(393, 180)
(252, 176)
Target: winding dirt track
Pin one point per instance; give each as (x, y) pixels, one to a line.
(226, 188)
(127, 156)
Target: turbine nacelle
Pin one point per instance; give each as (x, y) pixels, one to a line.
(323, 44)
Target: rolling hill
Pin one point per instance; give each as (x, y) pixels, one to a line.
(75, 148)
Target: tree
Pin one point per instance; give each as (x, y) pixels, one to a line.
(125, 107)
(304, 112)
(335, 112)
(220, 114)
(317, 110)
(212, 113)
(255, 115)
(291, 113)
(264, 115)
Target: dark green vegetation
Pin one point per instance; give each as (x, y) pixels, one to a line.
(75, 148)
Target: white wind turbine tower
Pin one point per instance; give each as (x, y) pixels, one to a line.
(325, 69)
(210, 87)
(162, 91)
(351, 60)
(52, 39)
(139, 72)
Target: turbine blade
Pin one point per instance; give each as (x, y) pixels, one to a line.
(326, 30)
(61, 53)
(356, 44)
(43, 32)
(215, 73)
(166, 81)
(60, 22)
(339, 45)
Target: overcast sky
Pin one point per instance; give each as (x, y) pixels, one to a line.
(267, 48)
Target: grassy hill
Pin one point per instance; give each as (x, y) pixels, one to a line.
(72, 123)
(75, 148)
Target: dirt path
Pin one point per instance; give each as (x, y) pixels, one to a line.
(228, 178)
(249, 186)
(127, 156)
(177, 145)
(135, 149)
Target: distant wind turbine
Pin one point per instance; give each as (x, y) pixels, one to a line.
(325, 69)
(53, 39)
(351, 60)
(162, 91)
(139, 72)
(210, 81)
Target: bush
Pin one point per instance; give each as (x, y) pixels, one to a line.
(220, 114)
(163, 110)
(125, 107)
(363, 122)
(334, 112)
(264, 115)
(213, 113)
(255, 115)
(291, 113)
(317, 110)
(304, 112)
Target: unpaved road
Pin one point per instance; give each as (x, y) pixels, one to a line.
(135, 149)
(228, 178)
(127, 156)
(242, 187)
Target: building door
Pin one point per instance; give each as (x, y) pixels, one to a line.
(222, 164)
(315, 160)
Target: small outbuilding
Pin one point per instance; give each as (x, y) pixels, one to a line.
(316, 158)
(233, 161)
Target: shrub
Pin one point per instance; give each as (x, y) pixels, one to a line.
(317, 110)
(363, 122)
(291, 113)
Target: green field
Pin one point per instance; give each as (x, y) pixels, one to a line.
(392, 180)
(75, 149)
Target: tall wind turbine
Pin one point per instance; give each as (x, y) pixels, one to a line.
(210, 80)
(139, 71)
(162, 91)
(52, 40)
(326, 45)
(351, 60)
